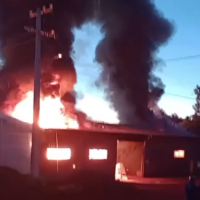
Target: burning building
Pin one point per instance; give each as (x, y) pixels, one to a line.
(143, 153)
(96, 152)
(133, 31)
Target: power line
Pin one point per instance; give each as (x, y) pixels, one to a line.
(21, 43)
(181, 96)
(183, 58)
(167, 60)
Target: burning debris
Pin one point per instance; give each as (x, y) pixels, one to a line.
(133, 31)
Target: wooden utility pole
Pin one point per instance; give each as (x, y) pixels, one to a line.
(35, 149)
(35, 152)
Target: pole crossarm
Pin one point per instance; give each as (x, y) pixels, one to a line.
(50, 34)
(43, 11)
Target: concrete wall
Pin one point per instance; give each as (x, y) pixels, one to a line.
(15, 148)
(130, 153)
(159, 157)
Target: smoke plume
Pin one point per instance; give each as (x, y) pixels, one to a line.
(133, 32)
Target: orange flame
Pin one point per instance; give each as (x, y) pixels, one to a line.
(51, 112)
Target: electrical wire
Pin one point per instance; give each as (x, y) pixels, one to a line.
(19, 44)
(183, 58)
(167, 60)
(181, 96)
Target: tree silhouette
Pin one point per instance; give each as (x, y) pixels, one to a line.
(196, 107)
(175, 118)
(193, 123)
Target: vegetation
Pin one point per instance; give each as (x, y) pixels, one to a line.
(192, 123)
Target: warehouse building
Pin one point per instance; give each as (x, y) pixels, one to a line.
(66, 153)
(142, 153)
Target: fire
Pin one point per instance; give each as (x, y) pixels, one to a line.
(51, 112)
(98, 109)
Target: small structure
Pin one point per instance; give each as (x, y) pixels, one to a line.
(15, 144)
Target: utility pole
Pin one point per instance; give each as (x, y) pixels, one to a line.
(35, 149)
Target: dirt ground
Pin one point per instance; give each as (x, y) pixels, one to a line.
(154, 192)
(160, 192)
(16, 186)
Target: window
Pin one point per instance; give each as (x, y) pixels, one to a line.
(58, 153)
(98, 154)
(179, 154)
(59, 55)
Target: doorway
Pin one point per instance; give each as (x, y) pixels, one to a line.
(130, 156)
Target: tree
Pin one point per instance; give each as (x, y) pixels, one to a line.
(193, 123)
(175, 118)
(196, 107)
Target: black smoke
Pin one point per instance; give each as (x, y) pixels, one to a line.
(133, 32)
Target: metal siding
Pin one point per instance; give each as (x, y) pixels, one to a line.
(80, 143)
(160, 161)
(103, 166)
(15, 148)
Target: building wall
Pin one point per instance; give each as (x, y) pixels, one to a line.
(15, 148)
(79, 142)
(159, 157)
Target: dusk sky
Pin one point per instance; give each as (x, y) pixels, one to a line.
(180, 76)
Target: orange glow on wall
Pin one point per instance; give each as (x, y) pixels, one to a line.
(98, 154)
(58, 153)
(179, 154)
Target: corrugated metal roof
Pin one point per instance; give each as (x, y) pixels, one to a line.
(125, 130)
(166, 128)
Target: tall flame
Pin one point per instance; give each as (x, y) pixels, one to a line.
(51, 112)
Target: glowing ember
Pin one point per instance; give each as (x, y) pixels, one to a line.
(51, 112)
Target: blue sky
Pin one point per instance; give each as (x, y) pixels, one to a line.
(180, 77)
